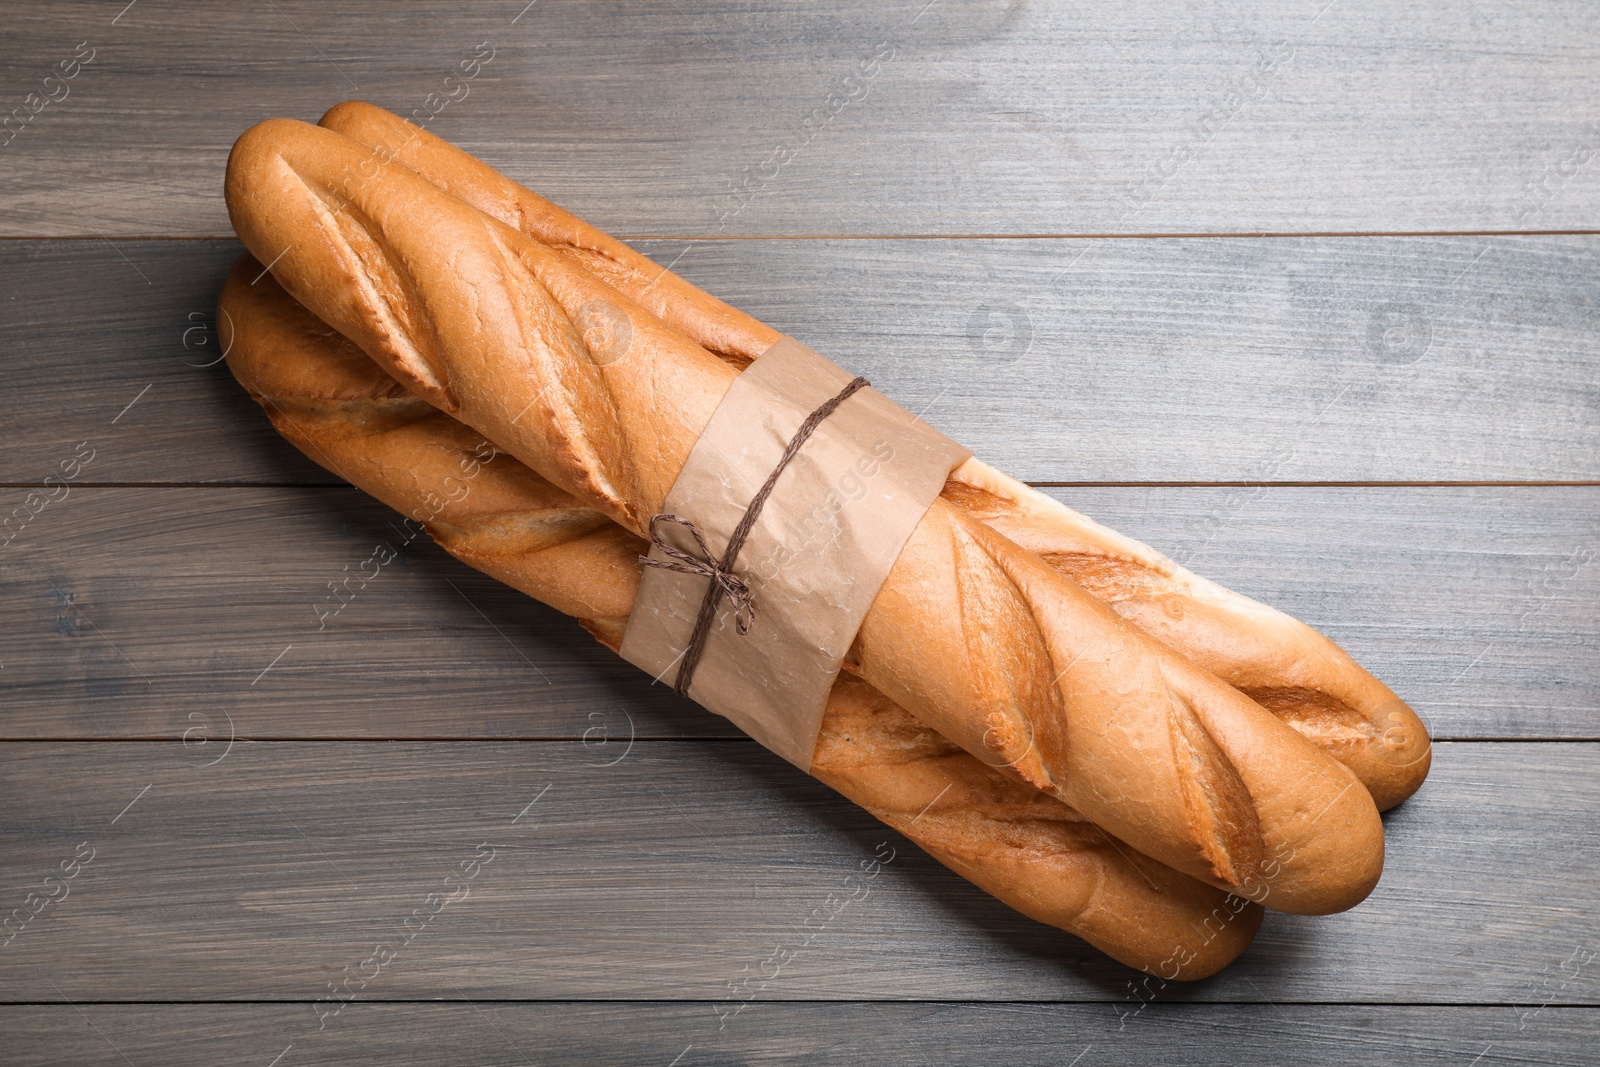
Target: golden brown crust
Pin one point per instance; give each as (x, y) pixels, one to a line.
(720, 329)
(1298, 673)
(1029, 850)
(969, 631)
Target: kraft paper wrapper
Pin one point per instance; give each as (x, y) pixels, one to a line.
(835, 523)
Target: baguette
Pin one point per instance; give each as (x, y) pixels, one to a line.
(1291, 669)
(978, 638)
(1028, 849)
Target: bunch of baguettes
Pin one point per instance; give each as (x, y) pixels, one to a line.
(1073, 722)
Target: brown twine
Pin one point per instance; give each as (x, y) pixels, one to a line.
(723, 582)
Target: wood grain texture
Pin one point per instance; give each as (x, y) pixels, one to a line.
(1306, 359)
(116, 346)
(668, 858)
(481, 1034)
(149, 612)
(961, 117)
(669, 872)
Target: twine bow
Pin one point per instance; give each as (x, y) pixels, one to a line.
(706, 565)
(723, 581)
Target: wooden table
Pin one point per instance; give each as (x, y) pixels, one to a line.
(1306, 294)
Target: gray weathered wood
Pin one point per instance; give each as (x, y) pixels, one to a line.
(665, 874)
(117, 346)
(1049, 1035)
(963, 116)
(160, 612)
(667, 857)
(148, 612)
(1306, 359)
(1475, 604)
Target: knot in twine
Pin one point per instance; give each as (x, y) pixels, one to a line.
(706, 565)
(723, 582)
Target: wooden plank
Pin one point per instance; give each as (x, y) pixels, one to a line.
(116, 346)
(1475, 604)
(1252, 1035)
(668, 873)
(966, 116)
(207, 613)
(150, 612)
(1305, 359)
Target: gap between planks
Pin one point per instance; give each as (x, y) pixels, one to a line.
(1570, 484)
(568, 739)
(689, 1001)
(725, 237)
